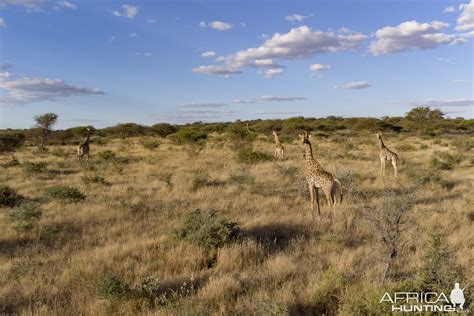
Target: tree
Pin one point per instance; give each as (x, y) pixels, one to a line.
(193, 139)
(44, 125)
(423, 119)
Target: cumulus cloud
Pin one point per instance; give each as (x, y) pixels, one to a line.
(67, 5)
(410, 35)
(128, 11)
(216, 70)
(270, 73)
(441, 103)
(300, 42)
(450, 9)
(149, 20)
(208, 54)
(465, 21)
(270, 98)
(216, 25)
(2, 23)
(445, 60)
(356, 85)
(295, 17)
(29, 4)
(22, 90)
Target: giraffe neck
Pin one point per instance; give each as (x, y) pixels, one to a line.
(277, 140)
(381, 144)
(87, 137)
(308, 153)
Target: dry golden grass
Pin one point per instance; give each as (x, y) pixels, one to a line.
(284, 263)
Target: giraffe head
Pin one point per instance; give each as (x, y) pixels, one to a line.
(275, 133)
(304, 137)
(379, 135)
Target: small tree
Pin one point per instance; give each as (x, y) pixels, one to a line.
(423, 119)
(193, 139)
(389, 217)
(44, 125)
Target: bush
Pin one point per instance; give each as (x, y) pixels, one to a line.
(65, 193)
(444, 161)
(193, 139)
(94, 179)
(25, 217)
(35, 167)
(150, 145)
(206, 229)
(9, 141)
(113, 288)
(9, 197)
(248, 155)
(164, 129)
(201, 180)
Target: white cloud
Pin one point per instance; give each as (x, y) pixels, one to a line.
(128, 11)
(202, 24)
(441, 103)
(219, 25)
(295, 17)
(216, 70)
(144, 54)
(445, 60)
(271, 98)
(132, 34)
(243, 101)
(208, 54)
(410, 35)
(270, 73)
(318, 67)
(356, 85)
(450, 9)
(149, 20)
(466, 18)
(67, 5)
(300, 42)
(29, 4)
(2, 23)
(22, 89)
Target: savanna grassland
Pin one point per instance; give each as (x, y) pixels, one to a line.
(119, 236)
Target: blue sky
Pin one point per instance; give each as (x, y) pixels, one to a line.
(109, 62)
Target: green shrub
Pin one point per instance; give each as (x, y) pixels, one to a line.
(9, 197)
(90, 179)
(193, 139)
(164, 129)
(107, 155)
(150, 145)
(423, 176)
(248, 155)
(9, 141)
(463, 144)
(439, 268)
(65, 193)
(113, 288)
(206, 229)
(25, 217)
(201, 180)
(35, 167)
(444, 161)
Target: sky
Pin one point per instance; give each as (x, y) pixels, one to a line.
(102, 63)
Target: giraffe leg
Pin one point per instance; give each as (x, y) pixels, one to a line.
(329, 197)
(317, 200)
(395, 168)
(311, 195)
(381, 166)
(382, 161)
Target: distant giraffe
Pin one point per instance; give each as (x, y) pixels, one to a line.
(386, 154)
(83, 149)
(318, 178)
(279, 149)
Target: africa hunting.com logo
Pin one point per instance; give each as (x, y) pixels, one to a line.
(411, 302)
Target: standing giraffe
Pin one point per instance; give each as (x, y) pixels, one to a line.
(83, 149)
(279, 149)
(386, 154)
(318, 178)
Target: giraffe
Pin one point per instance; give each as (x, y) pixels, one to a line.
(318, 178)
(279, 149)
(386, 154)
(84, 148)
